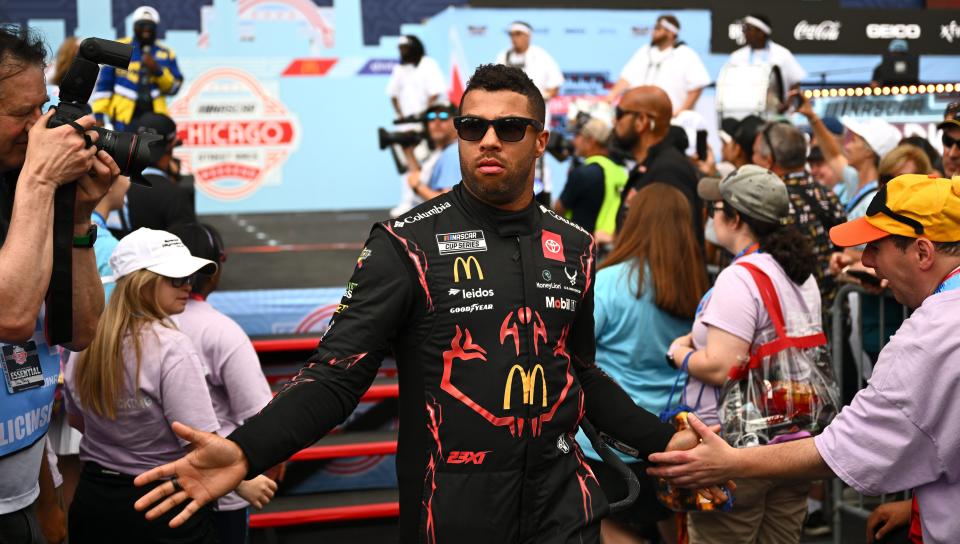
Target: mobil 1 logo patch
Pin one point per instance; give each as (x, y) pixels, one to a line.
(468, 241)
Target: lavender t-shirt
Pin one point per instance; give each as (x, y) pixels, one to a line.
(171, 388)
(901, 431)
(735, 306)
(237, 385)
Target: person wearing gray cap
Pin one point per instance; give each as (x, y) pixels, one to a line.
(731, 321)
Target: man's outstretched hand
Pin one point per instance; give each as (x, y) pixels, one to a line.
(214, 467)
(688, 439)
(708, 464)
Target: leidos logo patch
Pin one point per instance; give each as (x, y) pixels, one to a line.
(470, 241)
(560, 303)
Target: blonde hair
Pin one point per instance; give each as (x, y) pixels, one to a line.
(66, 53)
(892, 161)
(99, 374)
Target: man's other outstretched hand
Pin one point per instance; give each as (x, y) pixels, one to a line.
(214, 467)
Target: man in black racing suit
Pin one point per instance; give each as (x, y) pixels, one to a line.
(486, 299)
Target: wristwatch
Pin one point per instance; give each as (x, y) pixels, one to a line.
(85, 241)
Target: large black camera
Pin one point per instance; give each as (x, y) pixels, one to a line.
(404, 138)
(131, 152)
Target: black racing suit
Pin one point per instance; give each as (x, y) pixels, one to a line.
(490, 316)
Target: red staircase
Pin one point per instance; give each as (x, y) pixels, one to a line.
(281, 357)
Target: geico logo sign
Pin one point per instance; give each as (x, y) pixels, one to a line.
(529, 383)
(559, 303)
(467, 265)
(471, 308)
(472, 293)
(824, 31)
(889, 32)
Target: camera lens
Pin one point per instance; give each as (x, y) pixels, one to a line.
(131, 152)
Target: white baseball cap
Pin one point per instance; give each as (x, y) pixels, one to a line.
(146, 13)
(880, 135)
(157, 251)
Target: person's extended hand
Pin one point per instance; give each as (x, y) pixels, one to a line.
(214, 467)
(709, 463)
(839, 260)
(688, 439)
(57, 156)
(150, 63)
(805, 107)
(257, 491)
(886, 518)
(92, 186)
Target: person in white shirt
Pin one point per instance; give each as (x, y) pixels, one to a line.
(760, 49)
(667, 63)
(539, 66)
(417, 82)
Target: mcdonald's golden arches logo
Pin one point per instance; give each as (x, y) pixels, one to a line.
(529, 385)
(460, 262)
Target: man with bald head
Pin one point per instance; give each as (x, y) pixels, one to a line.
(641, 126)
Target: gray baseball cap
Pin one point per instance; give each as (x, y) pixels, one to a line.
(752, 191)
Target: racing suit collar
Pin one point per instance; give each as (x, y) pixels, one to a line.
(504, 223)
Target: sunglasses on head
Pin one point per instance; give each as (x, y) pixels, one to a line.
(949, 142)
(435, 115)
(180, 282)
(879, 205)
(508, 129)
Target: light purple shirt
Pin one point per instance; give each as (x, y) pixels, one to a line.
(734, 305)
(901, 432)
(171, 388)
(237, 385)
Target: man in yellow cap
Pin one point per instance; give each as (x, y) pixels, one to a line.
(900, 432)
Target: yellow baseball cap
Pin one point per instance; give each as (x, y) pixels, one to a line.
(911, 205)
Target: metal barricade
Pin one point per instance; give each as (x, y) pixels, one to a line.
(845, 500)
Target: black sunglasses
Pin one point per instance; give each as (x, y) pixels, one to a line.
(948, 142)
(508, 129)
(879, 205)
(441, 115)
(180, 282)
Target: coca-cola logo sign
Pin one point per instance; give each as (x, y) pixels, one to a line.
(824, 31)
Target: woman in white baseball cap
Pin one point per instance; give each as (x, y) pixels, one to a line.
(139, 375)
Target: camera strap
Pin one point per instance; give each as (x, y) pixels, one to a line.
(60, 292)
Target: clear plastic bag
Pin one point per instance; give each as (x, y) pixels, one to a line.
(785, 391)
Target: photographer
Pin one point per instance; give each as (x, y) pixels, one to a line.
(592, 192)
(441, 170)
(34, 162)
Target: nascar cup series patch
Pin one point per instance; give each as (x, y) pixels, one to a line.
(468, 241)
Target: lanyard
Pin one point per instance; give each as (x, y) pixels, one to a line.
(752, 248)
(852, 203)
(949, 283)
(98, 220)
